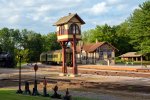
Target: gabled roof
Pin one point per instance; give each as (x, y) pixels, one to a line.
(86, 47)
(131, 54)
(93, 46)
(66, 19)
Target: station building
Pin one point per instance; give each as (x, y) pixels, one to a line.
(131, 56)
(96, 53)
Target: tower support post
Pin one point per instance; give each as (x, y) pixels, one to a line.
(64, 67)
(74, 69)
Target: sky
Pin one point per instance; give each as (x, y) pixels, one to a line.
(40, 15)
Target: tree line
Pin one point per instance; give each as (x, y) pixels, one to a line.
(131, 35)
(29, 44)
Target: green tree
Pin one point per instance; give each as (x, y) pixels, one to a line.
(6, 40)
(33, 43)
(123, 38)
(140, 28)
(9, 41)
(27, 43)
(118, 36)
(50, 42)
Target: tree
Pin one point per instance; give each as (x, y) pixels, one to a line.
(123, 38)
(133, 34)
(6, 40)
(33, 44)
(140, 28)
(27, 43)
(50, 42)
(9, 40)
(86, 35)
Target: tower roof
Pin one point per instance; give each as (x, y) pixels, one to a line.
(66, 19)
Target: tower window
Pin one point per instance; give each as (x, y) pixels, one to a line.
(61, 30)
(74, 29)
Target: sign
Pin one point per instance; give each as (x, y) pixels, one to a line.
(35, 67)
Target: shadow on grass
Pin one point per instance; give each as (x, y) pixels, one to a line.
(8, 94)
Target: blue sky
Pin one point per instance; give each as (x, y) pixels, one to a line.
(39, 15)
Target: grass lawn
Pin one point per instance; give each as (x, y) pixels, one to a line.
(119, 61)
(6, 94)
(18, 64)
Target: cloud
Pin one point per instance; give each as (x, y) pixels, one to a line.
(97, 9)
(121, 7)
(113, 2)
(14, 19)
(104, 7)
(29, 2)
(45, 7)
(39, 15)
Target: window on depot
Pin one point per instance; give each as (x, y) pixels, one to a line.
(74, 29)
(61, 30)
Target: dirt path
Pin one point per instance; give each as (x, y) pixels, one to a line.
(91, 83)
(111, 96)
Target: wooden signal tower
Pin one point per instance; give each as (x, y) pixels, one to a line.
(69, 30)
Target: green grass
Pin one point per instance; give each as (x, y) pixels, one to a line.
(144, 62)
(11, 95)
(22, 63)
(119, 61)
(7, 94)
